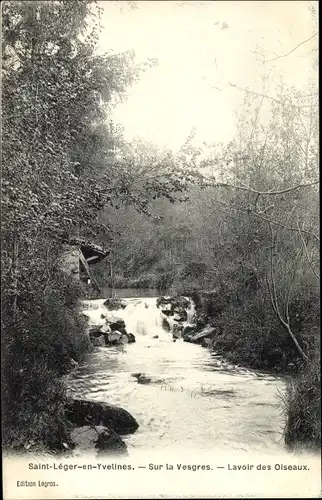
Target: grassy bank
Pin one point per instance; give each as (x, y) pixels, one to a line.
(302, 403)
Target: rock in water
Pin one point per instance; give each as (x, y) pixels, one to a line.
(98, 341)
(124, 339)
(188, 329)
(177, 330)
(109, 442)
(165, 325)
(143, 379)
(105, 440)
(84, 412)
(116, 324)
(113, 338)
(114, 304)
(180, 315)
(106, 328)
(177, 303)
(95, 332)
(131, 338)
(207, 332)
(166, 312)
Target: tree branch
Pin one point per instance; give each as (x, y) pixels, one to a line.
(268, 97)
(266, 219)
(271, 192)
(291, 51)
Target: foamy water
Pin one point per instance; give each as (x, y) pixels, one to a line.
(195, 399)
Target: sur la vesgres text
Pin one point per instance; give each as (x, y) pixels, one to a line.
(155, 467)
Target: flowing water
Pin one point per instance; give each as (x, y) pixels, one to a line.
(195, 400)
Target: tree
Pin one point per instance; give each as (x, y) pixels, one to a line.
(57, 174)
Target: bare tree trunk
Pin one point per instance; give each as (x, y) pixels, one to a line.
(275, 304)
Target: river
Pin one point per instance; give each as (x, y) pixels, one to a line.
(195, 400)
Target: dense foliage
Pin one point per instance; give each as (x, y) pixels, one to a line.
(59, 170)
(249, 232)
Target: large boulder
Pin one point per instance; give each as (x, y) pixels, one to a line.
(114, 304)
(206, 332)
(105, 440)
(85, 412)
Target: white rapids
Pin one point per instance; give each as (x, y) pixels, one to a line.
(195, 399)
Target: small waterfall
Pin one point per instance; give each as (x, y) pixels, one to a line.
(191, 311)
(194, 398)
(141, 316)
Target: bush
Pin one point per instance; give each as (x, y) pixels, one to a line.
(247, 332)
(39, 340)
(302, 402)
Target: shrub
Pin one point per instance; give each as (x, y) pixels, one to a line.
(38, 341)
(302, 402)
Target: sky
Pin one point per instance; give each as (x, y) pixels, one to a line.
(202, 47)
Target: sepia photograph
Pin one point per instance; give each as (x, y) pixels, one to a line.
(160, 249)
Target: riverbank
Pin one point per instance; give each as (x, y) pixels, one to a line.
(248, 335)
